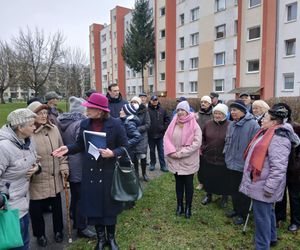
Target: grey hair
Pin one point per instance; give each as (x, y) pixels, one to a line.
(22, 125)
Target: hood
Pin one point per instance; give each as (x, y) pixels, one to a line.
(6, 133)
(246, 118)
(66, 119)
(286, 130)
(114, 100)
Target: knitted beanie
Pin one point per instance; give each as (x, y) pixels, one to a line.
(206, 98)
(240, 105)
(222, 108)
(183, 105)
(129, 109)
(75, 105)
(137, 99)
(37, 106)
(20, 116)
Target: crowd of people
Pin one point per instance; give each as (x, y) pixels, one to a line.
(246, 150)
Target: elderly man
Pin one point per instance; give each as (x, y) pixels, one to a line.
(246, 98)
(52, 99)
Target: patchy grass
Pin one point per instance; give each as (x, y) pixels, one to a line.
(5, 109)
(152, 224)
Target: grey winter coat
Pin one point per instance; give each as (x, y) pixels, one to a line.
(16, 158)
(238, 136)
(145, 123)
(204, 116)
(273, 176)
(69, 126)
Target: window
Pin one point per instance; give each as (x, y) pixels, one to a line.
(219, 85)
(128, 89)
(162, 11)
(162, 76)
(116, 66)
(235, 2)
(288, 81)
(291, 11)
(194, 14)
(162, 55)
(115, 34)
(253, 3)
(133, 89)
(104, 78)
(233, 82)
(133, 73)
(236, 27)
(151, 88)
(128, 73)
(220, 31)
(181, 19)
(220, 58)
(181, 87)
(234, 56)
(254, 33)
(194, 39)
(193, 86)
(162, 33)
(104, 51)
(140, 89)
(115, 50)
(181, 65)
(114, 19)
(253, 65)
(150, 70)
(103, 38)
(220, 5)
(194, 63)
(290, 47)
(104, 65)
(181, 42)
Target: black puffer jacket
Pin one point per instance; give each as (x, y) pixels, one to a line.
(159, 121)
(143, 128)
(115, 105)
(293, 170)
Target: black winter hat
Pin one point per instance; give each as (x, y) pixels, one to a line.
(239, 104)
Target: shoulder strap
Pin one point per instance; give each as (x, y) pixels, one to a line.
(128, 156)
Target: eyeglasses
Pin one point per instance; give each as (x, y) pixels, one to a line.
(42, 113)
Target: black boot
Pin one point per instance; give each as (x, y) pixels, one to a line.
(100, 230)
(188, 211)
(136, 166)
(207, 199)
(111, 237)
(224, 201)
(143, 166)
(180, 208)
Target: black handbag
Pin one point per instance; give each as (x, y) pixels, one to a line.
(125, 183)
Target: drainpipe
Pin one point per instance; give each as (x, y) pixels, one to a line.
(276, 47)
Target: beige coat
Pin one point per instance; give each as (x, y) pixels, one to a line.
(49, 182)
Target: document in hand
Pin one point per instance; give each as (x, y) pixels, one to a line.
(94, 140)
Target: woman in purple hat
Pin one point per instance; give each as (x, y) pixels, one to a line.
(97, 204)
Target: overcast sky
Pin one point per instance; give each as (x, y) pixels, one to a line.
(72, 17)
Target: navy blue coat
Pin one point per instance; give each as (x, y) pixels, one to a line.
(115, 105)
(97, 175)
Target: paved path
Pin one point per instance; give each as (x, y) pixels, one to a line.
(52, 245)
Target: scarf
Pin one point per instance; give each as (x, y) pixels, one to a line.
(189, 124)
(260, 150)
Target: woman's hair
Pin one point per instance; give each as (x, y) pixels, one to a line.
(262, 104)
(104, 115)
(288, 108)
(278, 113)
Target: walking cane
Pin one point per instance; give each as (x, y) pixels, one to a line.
(247, 219)
(68, 210)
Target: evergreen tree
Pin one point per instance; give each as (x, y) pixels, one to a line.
(139, 45)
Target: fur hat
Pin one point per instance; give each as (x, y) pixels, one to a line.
(129, 109)
(239, 104)
(279, 112)
(75, 105)
(183, 105)
(137, 99)
(52, 95)
(206, 98)
(37, 106)
(222, 108)
(20, 116)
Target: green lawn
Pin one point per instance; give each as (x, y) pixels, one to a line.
(152, 224)
(5, 109)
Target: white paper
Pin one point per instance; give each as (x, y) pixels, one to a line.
(93, 150)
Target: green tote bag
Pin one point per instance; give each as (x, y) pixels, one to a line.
(10, 231)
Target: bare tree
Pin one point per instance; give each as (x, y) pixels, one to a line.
(73, 65)
(8, 68)
(36, 56)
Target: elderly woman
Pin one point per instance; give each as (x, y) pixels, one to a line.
(259, 108)
(264, 176)
(97, 174)
(46, 187)
(182, 142)
(18, 164)
(216, 174)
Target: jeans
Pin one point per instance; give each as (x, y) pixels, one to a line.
(157, 142)
(24, 224)
(265, 224)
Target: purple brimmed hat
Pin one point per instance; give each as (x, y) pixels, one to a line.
(97, 101)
